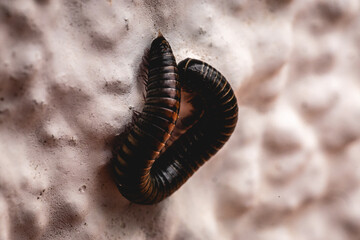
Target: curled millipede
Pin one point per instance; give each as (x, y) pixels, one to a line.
(145, 171)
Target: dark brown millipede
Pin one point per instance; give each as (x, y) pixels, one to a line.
(143, 174)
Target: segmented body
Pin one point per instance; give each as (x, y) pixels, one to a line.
(142, 174)
(216, 124)
(133, 159)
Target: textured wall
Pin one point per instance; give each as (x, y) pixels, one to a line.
(68, 84)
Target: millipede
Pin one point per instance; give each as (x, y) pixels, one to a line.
(146, 170)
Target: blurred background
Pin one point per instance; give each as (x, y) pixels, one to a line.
(68, 84)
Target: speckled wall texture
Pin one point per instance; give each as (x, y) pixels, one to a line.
(69, 83)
